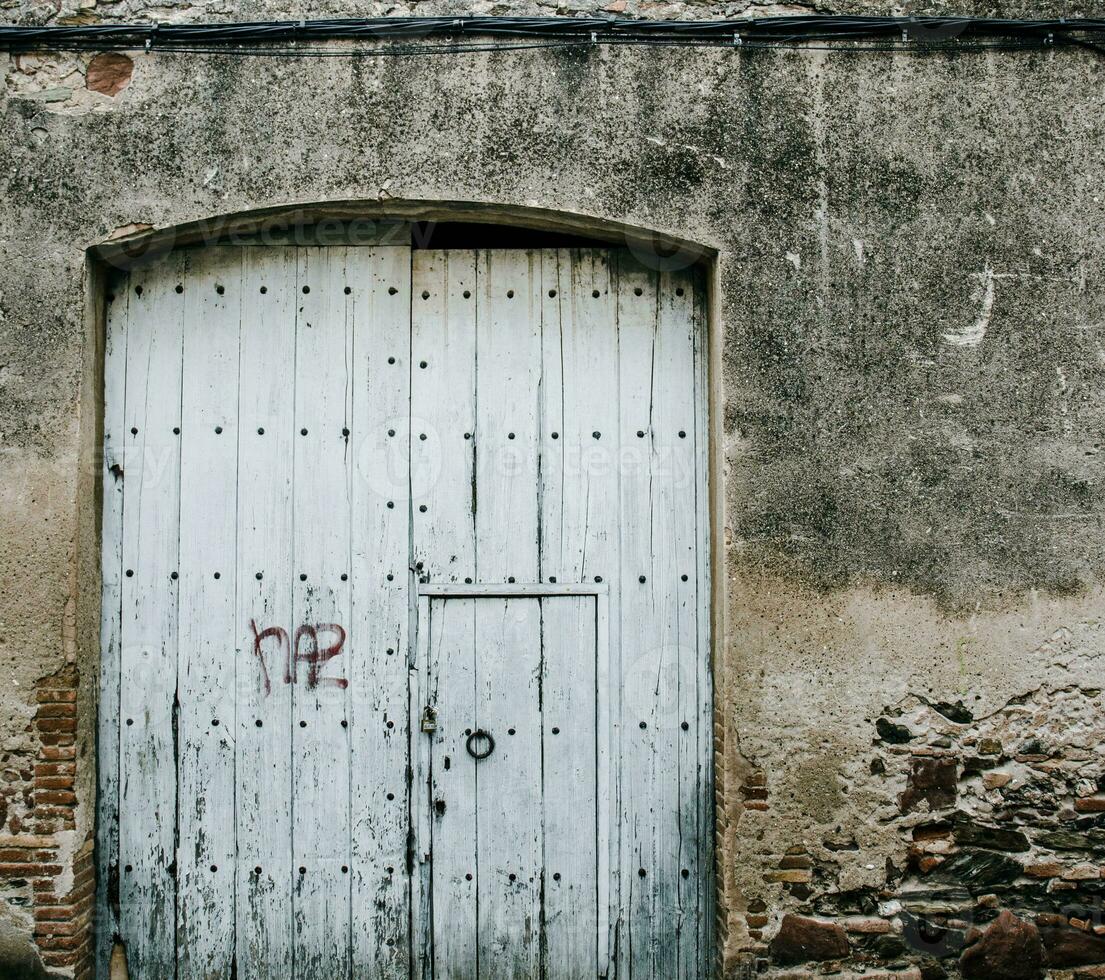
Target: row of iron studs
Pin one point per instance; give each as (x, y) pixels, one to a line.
(392, 291)
(642, 579)
(641, 873)
(391, 432)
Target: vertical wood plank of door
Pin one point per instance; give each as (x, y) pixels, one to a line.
(112, 475)
(508, 808)
(321, 608)
(703, 599)
(377, 643)
(579, 399)
(443, 436)
(508, 394)
(677, 775)
(643, 864)
(451, 687)
(147, 821)
(580, 502)
(660, 625)
(444, 298)
(209, 433)
(263, 623)
(569, 792)
(509, 811)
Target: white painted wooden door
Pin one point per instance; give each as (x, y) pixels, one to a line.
(510, 716)
(559, 437)
(298, 440)
(253, 741)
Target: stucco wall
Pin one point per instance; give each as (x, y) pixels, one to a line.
(910, 258)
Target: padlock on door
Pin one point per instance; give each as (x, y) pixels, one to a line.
(429, 719)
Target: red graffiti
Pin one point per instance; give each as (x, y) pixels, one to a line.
(309, 652)
(273, 631)
(317, 657)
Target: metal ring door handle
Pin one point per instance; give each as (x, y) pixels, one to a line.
(479, 733)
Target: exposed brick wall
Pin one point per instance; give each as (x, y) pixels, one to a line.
(44, 869)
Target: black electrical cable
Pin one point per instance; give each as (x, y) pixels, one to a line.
(413, 35)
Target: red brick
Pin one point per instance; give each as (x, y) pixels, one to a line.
(26, 841)
(52, 695)
(56, 724)
(1090, 804)
(54, 782)
(85, 891)
(61, 942)
(66, 710)
(10, 869)
(82, 890)
(62, 958)
(49, 811)
(57, 738)
(56, 796)
(56, 769)
(58, 752)
(19, 855)
(63, 928)
(54, 912)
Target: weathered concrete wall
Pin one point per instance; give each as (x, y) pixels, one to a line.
(193, 11)
(912, 317)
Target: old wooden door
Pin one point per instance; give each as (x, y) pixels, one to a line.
(305, 449)
(515, 761)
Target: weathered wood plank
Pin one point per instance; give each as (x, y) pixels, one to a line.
(263, 622)
(206, 722)
(677, 775)
(508, 377)
(419, 685)
(444, 496)
(451, 689)
(607, 781)
(443, 509)
(660, 599)
(151, 512)
(509, 813)
(643, 864)
(580, 471)
(569, 789)
(704, 790)
(579, 437)
(321, 613)
(508, 804)
(377, 643)
(113, 470)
